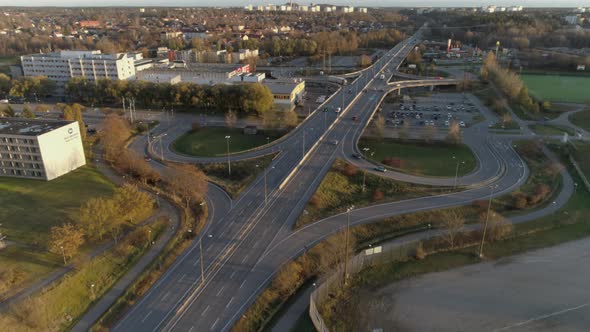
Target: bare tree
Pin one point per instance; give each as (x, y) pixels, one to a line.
(231, 119)
(429, 134)
(454, 134)
(379, 125)
(452, 221)
(188, 183)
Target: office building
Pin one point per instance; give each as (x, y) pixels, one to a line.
(64, 65)
(286, 94)
(39, 149)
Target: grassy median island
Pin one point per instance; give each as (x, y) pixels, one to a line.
(211, 142)
(343, 186)
(581, 119)
(429, 159)
(29, 209)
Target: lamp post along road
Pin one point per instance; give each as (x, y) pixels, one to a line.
(485, 226)
(346, 245)
(228, 159)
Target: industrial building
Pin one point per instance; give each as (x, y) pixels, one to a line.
(39, 149)
(208, 74)
(287, 94)
(61, 66)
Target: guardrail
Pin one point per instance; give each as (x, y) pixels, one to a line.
(369, 257)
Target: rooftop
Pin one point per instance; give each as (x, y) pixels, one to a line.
(282, 87)
(29, 127)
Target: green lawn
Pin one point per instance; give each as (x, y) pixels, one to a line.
(434, 159)
(551, 129)
(582, 156)
(210, 142)
(30, 208)
(581, 119)
(558, 87)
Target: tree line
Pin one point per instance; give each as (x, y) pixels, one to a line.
(508, 82)
(99, 217)
(247, 98)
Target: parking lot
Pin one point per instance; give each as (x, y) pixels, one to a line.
(437, 110)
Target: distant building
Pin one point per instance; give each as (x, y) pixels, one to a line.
(90, 24)
(208, 74)
(362, 10)
(39, 149)
(243, 54)
(286, 94)
(61, 66)
(572, 19)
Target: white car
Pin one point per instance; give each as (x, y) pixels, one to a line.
(338, 110)
(447, 123)
(462, 124)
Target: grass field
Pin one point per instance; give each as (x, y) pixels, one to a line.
(419, 158)
(210, 142)
(30, 208)
(550, 129)
(581, 119)
(558, 88)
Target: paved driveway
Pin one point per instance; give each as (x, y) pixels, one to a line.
(544, 290)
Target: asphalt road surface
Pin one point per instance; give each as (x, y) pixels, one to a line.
(544, 290)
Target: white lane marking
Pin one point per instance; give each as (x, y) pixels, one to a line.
(146, 316)
(243, 283)
(196, 262)
(165, 296)
(181, 278)
(245, 257)
(232, 275)
(191, 329)
(543, 317)
(221, 290)
(228, 303)
(213, 326)
(204, 311)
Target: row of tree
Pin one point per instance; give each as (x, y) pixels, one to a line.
(508, 82)
(32, 88)
(252, 98)
(99, 217)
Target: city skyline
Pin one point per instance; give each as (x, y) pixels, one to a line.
(236, 3)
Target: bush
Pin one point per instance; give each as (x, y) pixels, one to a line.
(377, 195)
(420, 253)
(519, 201)
(349, 170)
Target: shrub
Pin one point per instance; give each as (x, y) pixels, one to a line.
(394, 162)
(377, 195)
(420, 253)
(519, 201)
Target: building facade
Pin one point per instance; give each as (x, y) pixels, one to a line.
(63, 65)
(39, 149)
(286, 94)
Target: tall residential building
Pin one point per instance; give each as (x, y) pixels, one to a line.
(39, 149)
(63, 65)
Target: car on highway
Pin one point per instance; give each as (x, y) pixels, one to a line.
(357, 156)
(380, 169)
(338, 109)
(355, 118)
(147, 158)
(335, 142)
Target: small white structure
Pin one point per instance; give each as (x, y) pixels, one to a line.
(39, 149)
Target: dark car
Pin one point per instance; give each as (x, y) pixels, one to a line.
(357, 156)
(380, 169)
(355, 118)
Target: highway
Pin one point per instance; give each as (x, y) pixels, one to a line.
(244, 247)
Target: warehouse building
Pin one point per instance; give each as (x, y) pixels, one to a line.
(287, 94)
(39, 149)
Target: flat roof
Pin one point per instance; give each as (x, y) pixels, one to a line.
(29, 127)
(282, 87)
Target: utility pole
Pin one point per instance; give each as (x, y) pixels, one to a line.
(485, 227)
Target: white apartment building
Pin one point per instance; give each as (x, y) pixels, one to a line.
(63, 65)
(39, 149)
(362, 10)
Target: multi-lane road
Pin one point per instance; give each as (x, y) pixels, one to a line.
(243, 247)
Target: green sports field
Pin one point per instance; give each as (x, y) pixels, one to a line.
(558, 87)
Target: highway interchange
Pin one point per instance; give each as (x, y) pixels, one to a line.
(246, 241)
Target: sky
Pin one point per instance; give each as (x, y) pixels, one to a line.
(357, 3)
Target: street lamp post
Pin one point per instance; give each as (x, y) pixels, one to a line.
(149, 237)
(63, 252)
(457, 171)
(364, 171)
(575, 187)
(485, 226)
(92, 291)
(228, 159)
(346, 244)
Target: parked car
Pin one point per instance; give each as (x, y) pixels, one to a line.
(462, 124)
